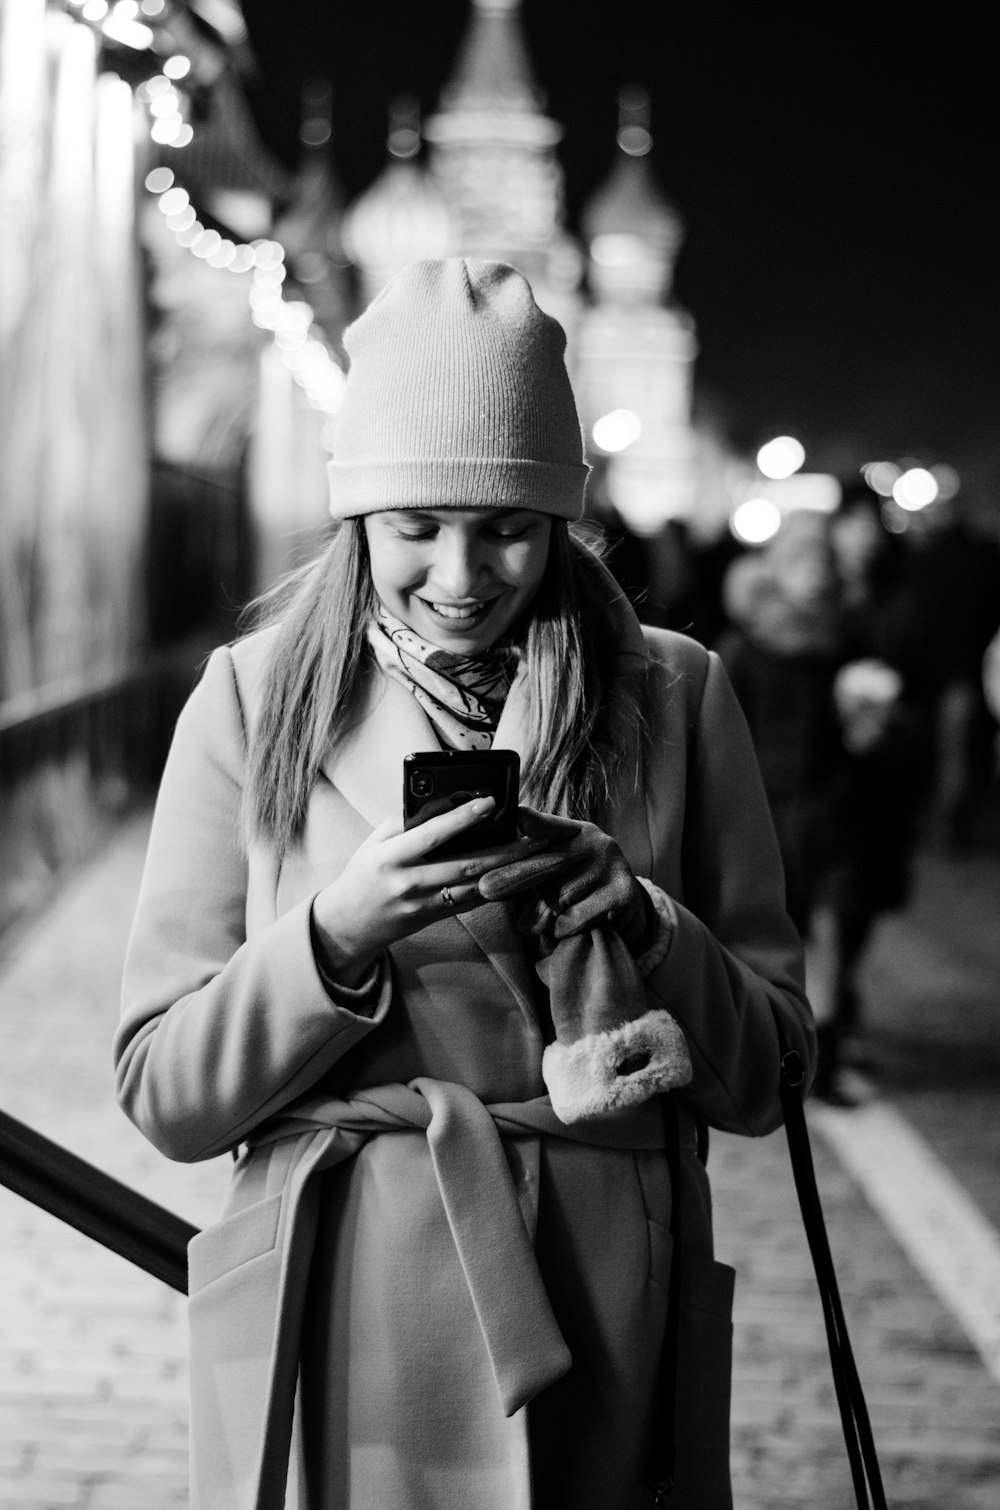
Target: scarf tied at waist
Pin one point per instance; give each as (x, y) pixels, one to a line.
(526, 1349)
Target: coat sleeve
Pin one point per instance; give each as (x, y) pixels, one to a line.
(734, 967)
(219, 1032)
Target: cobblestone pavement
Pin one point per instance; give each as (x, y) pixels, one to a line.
(92, 1352)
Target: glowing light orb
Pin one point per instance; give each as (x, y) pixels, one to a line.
(166, 131)
(881, 476)
(208, 242)
(268, 254)
(756, 521)
(617, 430)
(947, 479)
(164, 105)
(223, 254)
(781, 456)
(915, 489)
(158, 180)
(121, 29)
(174, 200)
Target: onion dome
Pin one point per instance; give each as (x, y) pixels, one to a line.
(632, 230)
(402, 216)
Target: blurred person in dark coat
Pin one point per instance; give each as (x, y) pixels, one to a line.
(829, 654)
(782, 651)
(884, 696)
(957, 584)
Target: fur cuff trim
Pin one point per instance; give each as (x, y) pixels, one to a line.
(610, 1071)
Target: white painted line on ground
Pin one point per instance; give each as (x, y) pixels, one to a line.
(941, 1229)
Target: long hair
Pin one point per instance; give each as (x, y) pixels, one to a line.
(586, 729)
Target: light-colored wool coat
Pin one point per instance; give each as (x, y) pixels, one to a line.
(464, 1299)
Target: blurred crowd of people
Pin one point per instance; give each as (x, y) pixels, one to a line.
(868, 665)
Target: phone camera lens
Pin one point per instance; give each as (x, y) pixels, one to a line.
(421, 783)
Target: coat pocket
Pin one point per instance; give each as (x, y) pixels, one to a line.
(233, 1242)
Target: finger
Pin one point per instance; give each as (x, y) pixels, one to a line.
(473, 865)
(413, 843)
(595, 888)
(579, 919)
(537, 919)
(456, 899)
(508, 880)
(604, 904)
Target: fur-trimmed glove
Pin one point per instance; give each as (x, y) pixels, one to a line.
(592, 919)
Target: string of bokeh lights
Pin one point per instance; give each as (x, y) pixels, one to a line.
(298, 339)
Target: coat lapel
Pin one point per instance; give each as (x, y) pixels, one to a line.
(366, 765)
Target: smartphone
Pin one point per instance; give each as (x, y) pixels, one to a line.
(435, 781)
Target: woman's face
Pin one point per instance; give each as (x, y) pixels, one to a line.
(460, 578)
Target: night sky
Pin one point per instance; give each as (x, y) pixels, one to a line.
(836, 170)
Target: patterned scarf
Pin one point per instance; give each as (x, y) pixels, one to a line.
(462, 695)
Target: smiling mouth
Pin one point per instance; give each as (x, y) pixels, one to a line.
(459, 614)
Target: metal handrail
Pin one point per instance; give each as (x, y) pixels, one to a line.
(25, 712)
(95, 1203)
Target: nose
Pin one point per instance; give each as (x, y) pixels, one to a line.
(459, 564)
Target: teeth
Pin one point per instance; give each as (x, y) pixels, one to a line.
(447, 611)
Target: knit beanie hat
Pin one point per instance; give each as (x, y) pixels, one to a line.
(457, 397)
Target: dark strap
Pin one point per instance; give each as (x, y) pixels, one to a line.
(850, 1396)
(663, 1448)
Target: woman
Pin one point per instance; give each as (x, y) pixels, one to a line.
(429, 1289)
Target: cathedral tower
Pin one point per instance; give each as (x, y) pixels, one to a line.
(636, 348)
(493, 155)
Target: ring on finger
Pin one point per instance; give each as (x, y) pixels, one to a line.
(447, 898)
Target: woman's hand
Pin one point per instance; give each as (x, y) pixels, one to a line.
(392, 886)
(581, 880)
